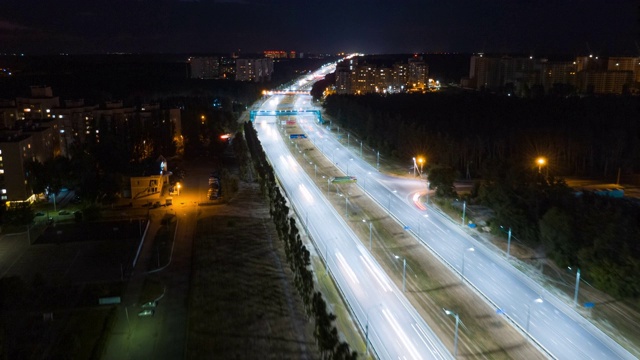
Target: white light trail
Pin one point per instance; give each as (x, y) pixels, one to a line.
(401, 335)
(347, 268)
(306, 193)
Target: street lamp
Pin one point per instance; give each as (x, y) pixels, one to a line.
(346, 205)
(416, 161)
(427, 192)
(575, 294)
(541, 162)
(508, 242)
(370, 232)
(464, 210)
(366, 330)
(455, 337)
(463, 256)
(536, 301)
(178, 186)
(404, 272)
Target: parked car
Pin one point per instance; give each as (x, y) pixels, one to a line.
(146, 312)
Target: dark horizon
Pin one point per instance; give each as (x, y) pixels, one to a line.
(372, 27)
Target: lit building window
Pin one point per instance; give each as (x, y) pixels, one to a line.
(4, 191)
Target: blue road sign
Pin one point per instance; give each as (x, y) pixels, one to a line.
(297, 136)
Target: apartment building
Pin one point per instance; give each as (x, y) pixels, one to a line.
(8, 113)
(17, 148)
(587, 74)
(37, 106)
(258, 70)
(204, 67)
(41, 127)
(417, 72)
(358, 76)
(75, 121)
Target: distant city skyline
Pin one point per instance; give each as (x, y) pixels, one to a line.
(373, 27)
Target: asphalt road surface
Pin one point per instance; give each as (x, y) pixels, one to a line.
(555, 326)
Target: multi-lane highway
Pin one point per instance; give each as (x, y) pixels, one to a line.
(554, 325)
(393, 327)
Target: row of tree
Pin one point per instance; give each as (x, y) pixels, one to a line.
(297, 255)
(594, 232)
(495, 140)
(590, 136)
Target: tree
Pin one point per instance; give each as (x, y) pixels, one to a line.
(19, 214)
(556, 236)
(441, 178)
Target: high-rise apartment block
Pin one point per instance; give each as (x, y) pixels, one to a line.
(204, 67)
(257, 70)
(357, 76)
(40, 127)
(585, 74)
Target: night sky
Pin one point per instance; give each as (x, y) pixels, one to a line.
(537, 27)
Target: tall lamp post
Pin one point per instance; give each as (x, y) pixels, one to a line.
(427, 192)
(404, 272)
(370, 232)
(508, 242)
(536, 301)
(464, 210)
(346, 205)
(455, 336)
(463, 257)
(366, 331)
(575, 294)
(421, 162)
(389, 207)
(541, 162)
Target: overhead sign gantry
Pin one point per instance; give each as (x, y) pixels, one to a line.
(254, 113)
